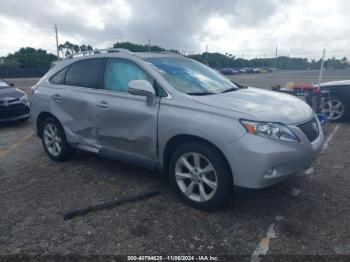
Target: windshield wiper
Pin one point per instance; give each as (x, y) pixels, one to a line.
(201, 93)
(230, 90)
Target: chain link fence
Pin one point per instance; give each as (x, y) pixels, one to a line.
(18, 72)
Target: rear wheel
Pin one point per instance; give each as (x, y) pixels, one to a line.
(54, 140)
(335, 109)
(200, 176)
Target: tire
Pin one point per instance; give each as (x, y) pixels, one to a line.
(340, 110)
(196, 181)
(55, 146)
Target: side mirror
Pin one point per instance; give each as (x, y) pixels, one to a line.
(141, 88)
(11, 84)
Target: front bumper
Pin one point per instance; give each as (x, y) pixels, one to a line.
(258, 162)
(14, 112)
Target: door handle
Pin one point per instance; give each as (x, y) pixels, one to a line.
(57, 97)
(103, 105)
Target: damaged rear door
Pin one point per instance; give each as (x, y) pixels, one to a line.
(126, 125)
(82, 80)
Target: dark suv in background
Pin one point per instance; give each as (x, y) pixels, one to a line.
(337, 106)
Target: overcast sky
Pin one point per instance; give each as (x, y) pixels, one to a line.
(249, 28)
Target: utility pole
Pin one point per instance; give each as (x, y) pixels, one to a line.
(276, 51)
(58, 54)
(319, 80)
(149, 44)
(321, 69)
(276, 54)
(206, 54)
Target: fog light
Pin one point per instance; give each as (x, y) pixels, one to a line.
(271, 172)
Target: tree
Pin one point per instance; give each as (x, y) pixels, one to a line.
(68, 48)
(137, 48)
(30, 57)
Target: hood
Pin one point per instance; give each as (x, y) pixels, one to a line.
(261, 105)
(10, 93)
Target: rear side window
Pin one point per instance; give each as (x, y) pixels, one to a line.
(85, 73)
(58, 79)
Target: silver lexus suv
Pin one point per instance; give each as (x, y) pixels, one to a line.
(169, 113)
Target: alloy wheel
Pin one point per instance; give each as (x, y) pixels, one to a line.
(334, 109)
(52, 139)
(196, 177)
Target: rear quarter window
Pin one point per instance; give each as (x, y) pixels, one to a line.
(85, 73)
(59, 78)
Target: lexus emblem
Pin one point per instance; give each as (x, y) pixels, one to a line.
(5, 104)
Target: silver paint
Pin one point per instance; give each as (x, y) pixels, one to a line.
(126, 127)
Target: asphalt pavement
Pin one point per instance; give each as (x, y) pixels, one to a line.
(308, 214)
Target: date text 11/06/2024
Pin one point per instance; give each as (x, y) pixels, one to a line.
(173, 258)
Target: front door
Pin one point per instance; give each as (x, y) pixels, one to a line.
(126, 125)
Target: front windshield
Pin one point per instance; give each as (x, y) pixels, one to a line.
(191, 77)
(3, 84)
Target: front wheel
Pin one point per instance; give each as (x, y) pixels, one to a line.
(54, 140)
(200, 176)
(335, 109)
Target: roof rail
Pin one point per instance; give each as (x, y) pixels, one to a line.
(167, 52)
(101, 51)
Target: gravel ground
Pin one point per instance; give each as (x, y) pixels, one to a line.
(305, 215)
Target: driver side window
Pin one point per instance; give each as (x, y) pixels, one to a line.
(119, 72)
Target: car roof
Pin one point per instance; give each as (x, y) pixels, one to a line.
(144, 55)
(336, 83)
(121, 51)
(107, 53)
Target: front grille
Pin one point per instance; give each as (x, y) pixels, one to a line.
(13, 111)
(310, 129)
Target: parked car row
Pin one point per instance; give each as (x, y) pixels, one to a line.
(246, 70)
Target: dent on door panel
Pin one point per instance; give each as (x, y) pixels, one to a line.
(129, 126)
(81, 119)
(77, 115)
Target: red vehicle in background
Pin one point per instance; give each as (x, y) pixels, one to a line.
(311, 94)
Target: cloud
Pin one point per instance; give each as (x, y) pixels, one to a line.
(249, 27)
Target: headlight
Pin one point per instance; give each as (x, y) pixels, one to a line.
(25, 100)
(270, 130)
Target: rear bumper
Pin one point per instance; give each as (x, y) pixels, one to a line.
(258, 162)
